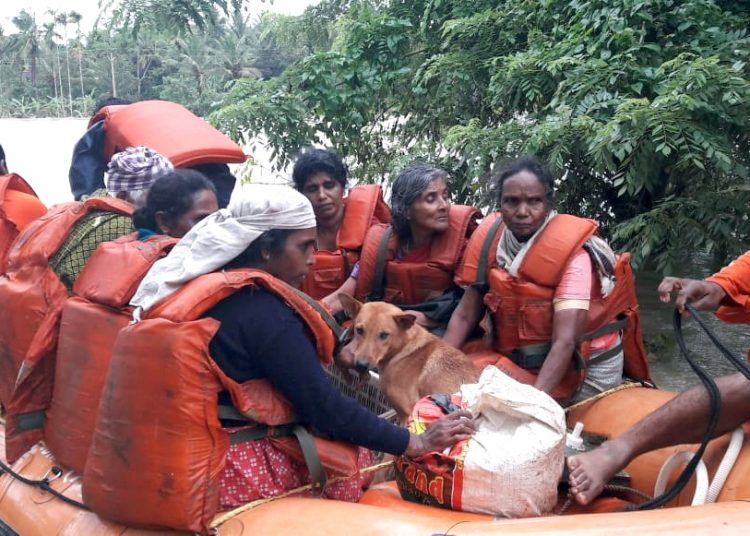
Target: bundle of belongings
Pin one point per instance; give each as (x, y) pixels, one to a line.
(512, 464)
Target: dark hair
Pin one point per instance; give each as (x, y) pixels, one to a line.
(273, 241)
(172, 194)
(530, 164)
(408, 186)
(109, 101)
(311, 161)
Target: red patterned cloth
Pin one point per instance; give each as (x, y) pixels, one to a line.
(258, 470)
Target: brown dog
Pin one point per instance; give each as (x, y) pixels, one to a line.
(412, 362)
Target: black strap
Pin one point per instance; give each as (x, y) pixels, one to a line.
(378, 281)
(342, 335)
(261, 431)
(617, 325)
(33, 420)
(532, 356)
(318, 476)
(484, 255)
(604, 356)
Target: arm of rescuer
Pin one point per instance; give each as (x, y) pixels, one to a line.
(570, 304)
(332, 300)
(727, 292)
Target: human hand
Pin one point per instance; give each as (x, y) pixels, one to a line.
(441, 434)
(703, 295)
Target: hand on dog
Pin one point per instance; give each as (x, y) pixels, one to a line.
(441, 434)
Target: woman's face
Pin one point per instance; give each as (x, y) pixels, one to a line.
(429, 212)
(294, 261)
(523, 204)
(204, 203)
(326, 196)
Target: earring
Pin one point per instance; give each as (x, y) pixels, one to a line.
(266, 257)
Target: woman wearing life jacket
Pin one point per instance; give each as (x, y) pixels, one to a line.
(343, 222)
(540, 319)
(175, 203)
(273, 229)
(412, 261)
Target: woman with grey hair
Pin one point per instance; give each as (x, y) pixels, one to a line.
(412, 261)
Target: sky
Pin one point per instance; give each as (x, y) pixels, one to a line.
(89, 9)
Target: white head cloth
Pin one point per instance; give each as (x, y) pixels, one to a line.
(222, 236)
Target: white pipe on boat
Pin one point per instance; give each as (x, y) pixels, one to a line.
(704, 493)
(701, 475)
(726, 465)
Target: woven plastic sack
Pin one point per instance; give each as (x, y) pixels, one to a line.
(511, 465)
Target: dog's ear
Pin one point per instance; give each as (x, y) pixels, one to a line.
(405, 321)
(350, 305)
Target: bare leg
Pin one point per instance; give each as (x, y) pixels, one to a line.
(681, 420)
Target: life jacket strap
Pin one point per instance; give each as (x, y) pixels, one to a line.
(378, 283)
(484, 256)
(32, 420)
(318, 478)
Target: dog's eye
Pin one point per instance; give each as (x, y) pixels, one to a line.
(383, 335)
(359, 330)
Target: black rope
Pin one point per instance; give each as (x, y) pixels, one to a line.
(714, 399)
(43, 484)
(738, 362)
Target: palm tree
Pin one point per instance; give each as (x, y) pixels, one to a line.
(55, 22)
(27, 41)
(48, 37)
(62, 20)
(75, 18)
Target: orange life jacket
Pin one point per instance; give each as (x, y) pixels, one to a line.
(19, 205)
(364, 207)
(382, 277)
(31, 300)
(521, 308)
(169, 129)
(89, 326)
(159, 411)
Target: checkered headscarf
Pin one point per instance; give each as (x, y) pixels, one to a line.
(136, 168)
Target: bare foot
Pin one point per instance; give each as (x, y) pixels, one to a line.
(590, 471)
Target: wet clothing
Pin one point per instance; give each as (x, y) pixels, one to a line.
(262, 338)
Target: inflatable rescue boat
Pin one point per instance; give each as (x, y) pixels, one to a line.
(28, 510)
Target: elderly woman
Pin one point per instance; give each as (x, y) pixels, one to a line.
(175, 203)
(550, 289)
(413, 260)
(343, 222)
(273, 229)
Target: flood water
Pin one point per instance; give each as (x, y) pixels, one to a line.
(40, 151)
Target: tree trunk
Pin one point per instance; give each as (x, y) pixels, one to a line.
(112, 72)
(67, 67)
(59, 77)
(80, 68)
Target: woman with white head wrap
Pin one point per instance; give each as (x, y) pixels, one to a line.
(273, 228)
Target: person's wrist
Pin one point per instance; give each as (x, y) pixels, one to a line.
(415, 447)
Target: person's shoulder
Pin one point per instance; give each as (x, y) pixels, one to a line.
(257, 304)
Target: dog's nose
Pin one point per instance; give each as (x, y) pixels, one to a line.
(361, 366)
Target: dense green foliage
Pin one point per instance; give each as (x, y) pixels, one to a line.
(139, 49)
(642, 107)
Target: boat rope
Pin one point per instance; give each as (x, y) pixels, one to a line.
(223, 518)
(625, 385)
(714, 398)
(44, 483)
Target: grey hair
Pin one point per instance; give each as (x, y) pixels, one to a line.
(408, 186)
